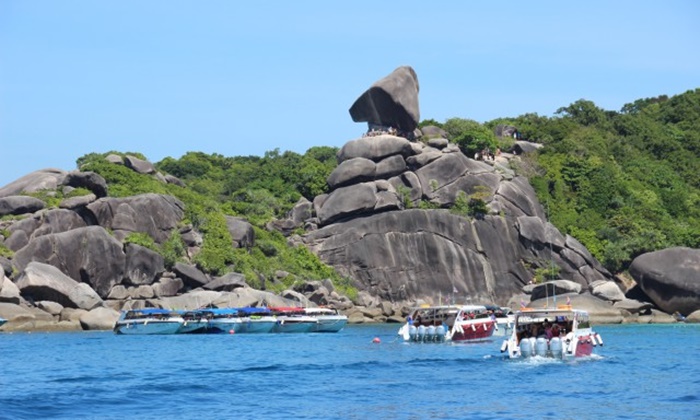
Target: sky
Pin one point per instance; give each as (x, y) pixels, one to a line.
(239, 78)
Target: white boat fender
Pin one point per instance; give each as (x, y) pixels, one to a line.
(599, 339)
(486, 327)
(504, 346)
(473, 327)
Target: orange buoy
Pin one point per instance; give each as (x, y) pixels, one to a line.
(376, 340)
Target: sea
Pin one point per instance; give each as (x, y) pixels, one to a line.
(362, 372)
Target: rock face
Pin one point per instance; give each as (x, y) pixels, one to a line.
(88, 254)
(44, 179)
(43, 281)
(126, 215)
(671, 278)
(368, 231)
(390, 102)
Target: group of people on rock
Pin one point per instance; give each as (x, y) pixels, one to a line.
(487, 154)
(374, 131)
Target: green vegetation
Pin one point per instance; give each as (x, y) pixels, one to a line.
(623, 183)
(256, 188)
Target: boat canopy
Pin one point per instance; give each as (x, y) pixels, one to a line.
(151, 311)
(249, 310)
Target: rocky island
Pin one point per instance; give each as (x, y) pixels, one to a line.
(408, 217)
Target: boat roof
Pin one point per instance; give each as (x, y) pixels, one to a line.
(320, 311)
(286, 309)
(254, 310)
(220, 311)
(558, 311)
(458, 307)
(151, 311)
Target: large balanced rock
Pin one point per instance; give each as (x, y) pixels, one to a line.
(670, 277)
(390, 102)
(90, 255)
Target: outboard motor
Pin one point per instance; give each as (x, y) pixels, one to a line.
(421, 333)
(555, 347)
(430, 333)
(526, 348)
(541, 347)
(440, 333)
(412, 333)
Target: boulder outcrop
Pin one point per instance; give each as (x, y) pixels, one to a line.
(671, 278)
(89, 254)
(370, 233)
(126, 215)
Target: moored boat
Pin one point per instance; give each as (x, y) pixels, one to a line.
(560, 333)
(458, 323)
(196, 322)
(292, 320)
(223, 320)
(148, 321)
(505, 317)
(257, 320)
(329, 319)
(2, 321)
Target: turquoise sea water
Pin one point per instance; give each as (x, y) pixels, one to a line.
(644, 371)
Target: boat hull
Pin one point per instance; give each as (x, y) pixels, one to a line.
(226, 326)
(287, 326)
(473, 331)
(258, 326)
(147, 327)
(330, 323)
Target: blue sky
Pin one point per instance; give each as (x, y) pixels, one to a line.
(242, 78)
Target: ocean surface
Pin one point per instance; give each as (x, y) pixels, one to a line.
(642, 372)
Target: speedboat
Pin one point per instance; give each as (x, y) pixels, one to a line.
(2, 321)
(223, 320)
(148, 321)
(504, 317)
(292, 320)
(458, 323)
(257, 320)
(329, 319)
(196, 322)
(558, 333)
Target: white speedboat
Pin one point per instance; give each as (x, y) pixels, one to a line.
(196, 322)
(257, 319)
(2, 321)
(292, 320)
(505, 318)
(458, 323)
(329, 319)
(223, 320)
(148, 321)
(559, 333)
